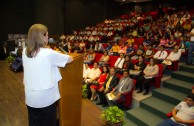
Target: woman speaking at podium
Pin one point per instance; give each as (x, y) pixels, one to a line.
(41, 76)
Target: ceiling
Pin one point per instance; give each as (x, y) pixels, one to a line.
(135, 1)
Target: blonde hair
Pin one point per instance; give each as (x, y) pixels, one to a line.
(36, 35)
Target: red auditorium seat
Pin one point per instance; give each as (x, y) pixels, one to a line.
(112, 60)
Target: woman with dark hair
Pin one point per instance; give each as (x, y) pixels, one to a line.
(150, 72)
(96, 85)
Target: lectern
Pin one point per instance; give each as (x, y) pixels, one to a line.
(71, 92)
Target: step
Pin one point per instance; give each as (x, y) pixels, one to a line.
(157, 106)
(168, 95)
(187, 68)
(142, 117)
(178, 85)
(128, 122)
(184, 76)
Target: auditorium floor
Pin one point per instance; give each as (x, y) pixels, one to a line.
(13, 111)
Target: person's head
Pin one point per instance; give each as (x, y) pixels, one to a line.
(140, 58)
(95, 65)
(37, 38)
(86, 66)
(153, 61)
(176, 49)
(149, 47)
(105, 69)
(125, 73)
(121, 55)
(192, 91)
(162, 47)
(105, 53)
(127, 58)
(190, 99)
(112, 71)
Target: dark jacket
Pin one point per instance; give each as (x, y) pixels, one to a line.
(113, 82)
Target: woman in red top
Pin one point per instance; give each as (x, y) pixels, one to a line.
(99, 83)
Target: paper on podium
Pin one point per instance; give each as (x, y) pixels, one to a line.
(110, 96)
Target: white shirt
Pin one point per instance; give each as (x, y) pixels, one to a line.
(174, 56)
(161, 55)
(41, 76)
(185, 112)
(119, 62)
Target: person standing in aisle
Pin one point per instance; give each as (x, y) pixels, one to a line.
(41, 76)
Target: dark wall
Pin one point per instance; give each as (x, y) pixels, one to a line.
(80, 13)
(16, 17)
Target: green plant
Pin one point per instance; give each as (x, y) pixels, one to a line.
(10, 59)
(84, 91)
(113, 116)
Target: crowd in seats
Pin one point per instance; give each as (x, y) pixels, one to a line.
(121, 42)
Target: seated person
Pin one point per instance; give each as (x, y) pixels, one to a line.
(96, 85)
(75, 47)
(140, 52)
(82, 45)
(98, 47)
(161, 54)
(182, 114)
(125, 85)
(163, 41)
(130, 40)
(119, 63)
(182, 46)
(111, 81)
(90, 57)
(93, 75)
(104, 59)
(171, 43)
(147, 41)
(86, 70)
(149, 53)
(127, 65)
(173, 56)
(122, 48)
(130, 50)
(138, 68)
(115, 49)
(150, 72)
(109, 46)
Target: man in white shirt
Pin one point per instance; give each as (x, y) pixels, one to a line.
(173, 56)
(93, 74)
(161, 54)
(119, 62)
(183, 113)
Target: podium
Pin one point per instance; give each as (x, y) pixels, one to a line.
(71, 92)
